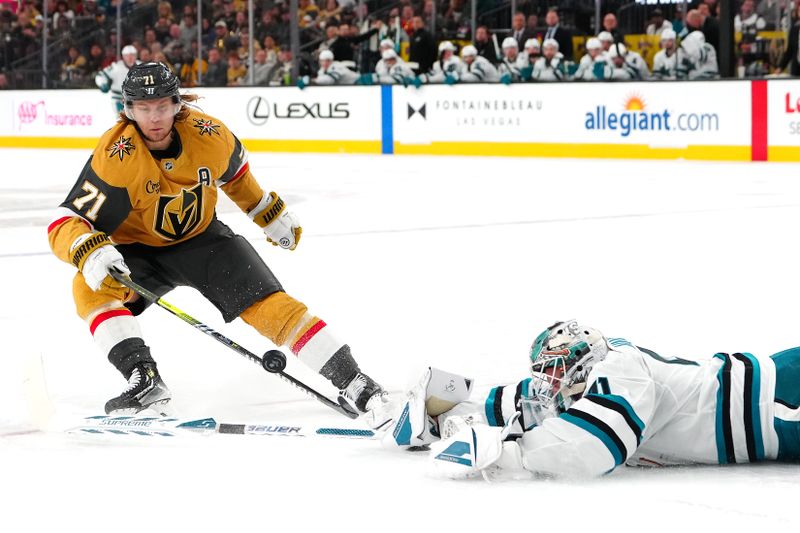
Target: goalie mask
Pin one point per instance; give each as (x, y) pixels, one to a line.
(561, 358)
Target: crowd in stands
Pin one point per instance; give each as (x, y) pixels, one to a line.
(342, 42)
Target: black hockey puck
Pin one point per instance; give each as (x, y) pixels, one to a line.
(274, 361)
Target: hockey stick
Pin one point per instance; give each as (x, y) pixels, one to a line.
(273, 361)
(140, 426)
(497, 53)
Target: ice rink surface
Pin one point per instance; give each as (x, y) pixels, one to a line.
(452, 262)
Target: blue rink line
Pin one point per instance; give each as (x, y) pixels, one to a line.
(387, 124)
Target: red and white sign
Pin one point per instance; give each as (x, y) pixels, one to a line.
(85, 113)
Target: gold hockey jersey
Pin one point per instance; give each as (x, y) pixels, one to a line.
(126, 192)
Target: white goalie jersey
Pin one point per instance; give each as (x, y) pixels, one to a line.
(643, 409)
(336, 74)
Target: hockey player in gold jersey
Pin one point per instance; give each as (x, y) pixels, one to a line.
(145, 205)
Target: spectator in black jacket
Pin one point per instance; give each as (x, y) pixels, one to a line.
(695, 21)
(519, 30)
(562, 35)
(611, 25)
(342, 47)
(790, 56)
(485, 45)
(217, 73)
(422, 49)
(710, 29)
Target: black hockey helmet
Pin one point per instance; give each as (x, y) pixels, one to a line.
(149, 81)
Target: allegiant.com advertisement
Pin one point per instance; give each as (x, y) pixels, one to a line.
(636, 114)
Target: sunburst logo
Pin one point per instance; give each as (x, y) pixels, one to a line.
(206, 127)
(122, 147)
(634, 102)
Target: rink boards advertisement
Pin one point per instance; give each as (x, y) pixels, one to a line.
(628, 120)
(335, 119)
(59, 119)
(721, 120)
(287, 119)
(784, 120)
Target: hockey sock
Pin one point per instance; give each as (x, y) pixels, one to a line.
(286, 322)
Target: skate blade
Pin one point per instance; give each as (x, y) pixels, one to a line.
(158, 408)
(161, 407)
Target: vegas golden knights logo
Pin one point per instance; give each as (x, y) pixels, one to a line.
(178, 215)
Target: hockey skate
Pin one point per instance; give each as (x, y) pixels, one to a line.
(370, 400)
(146, 390)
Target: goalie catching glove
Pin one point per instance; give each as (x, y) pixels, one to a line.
(280, 226)
(94, 255)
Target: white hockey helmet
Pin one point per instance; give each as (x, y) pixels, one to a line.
(532, 43)
(469, 51)
(446, 46)
(326, 55)
(594, 44)
(693, 43)
(562, 356)
(605, 37)
(550, 43)
(666, 35)
(130, 50)
(617, 50)
(510, 42)
(386, 43)
(389, 53)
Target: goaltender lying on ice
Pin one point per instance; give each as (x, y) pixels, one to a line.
(594, 403)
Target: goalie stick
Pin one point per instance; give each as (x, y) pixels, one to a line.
(173, 427)
(273, 361)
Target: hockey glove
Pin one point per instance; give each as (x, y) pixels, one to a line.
(451, 79)
(366, 79)
(526, 73)
(506, 78)
(303, 81)
(93, 254)
(572, 68)
(280, 226)
(102, 82)
(415, 81)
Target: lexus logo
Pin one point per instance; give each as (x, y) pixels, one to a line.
(259, 110)
(422, 112)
